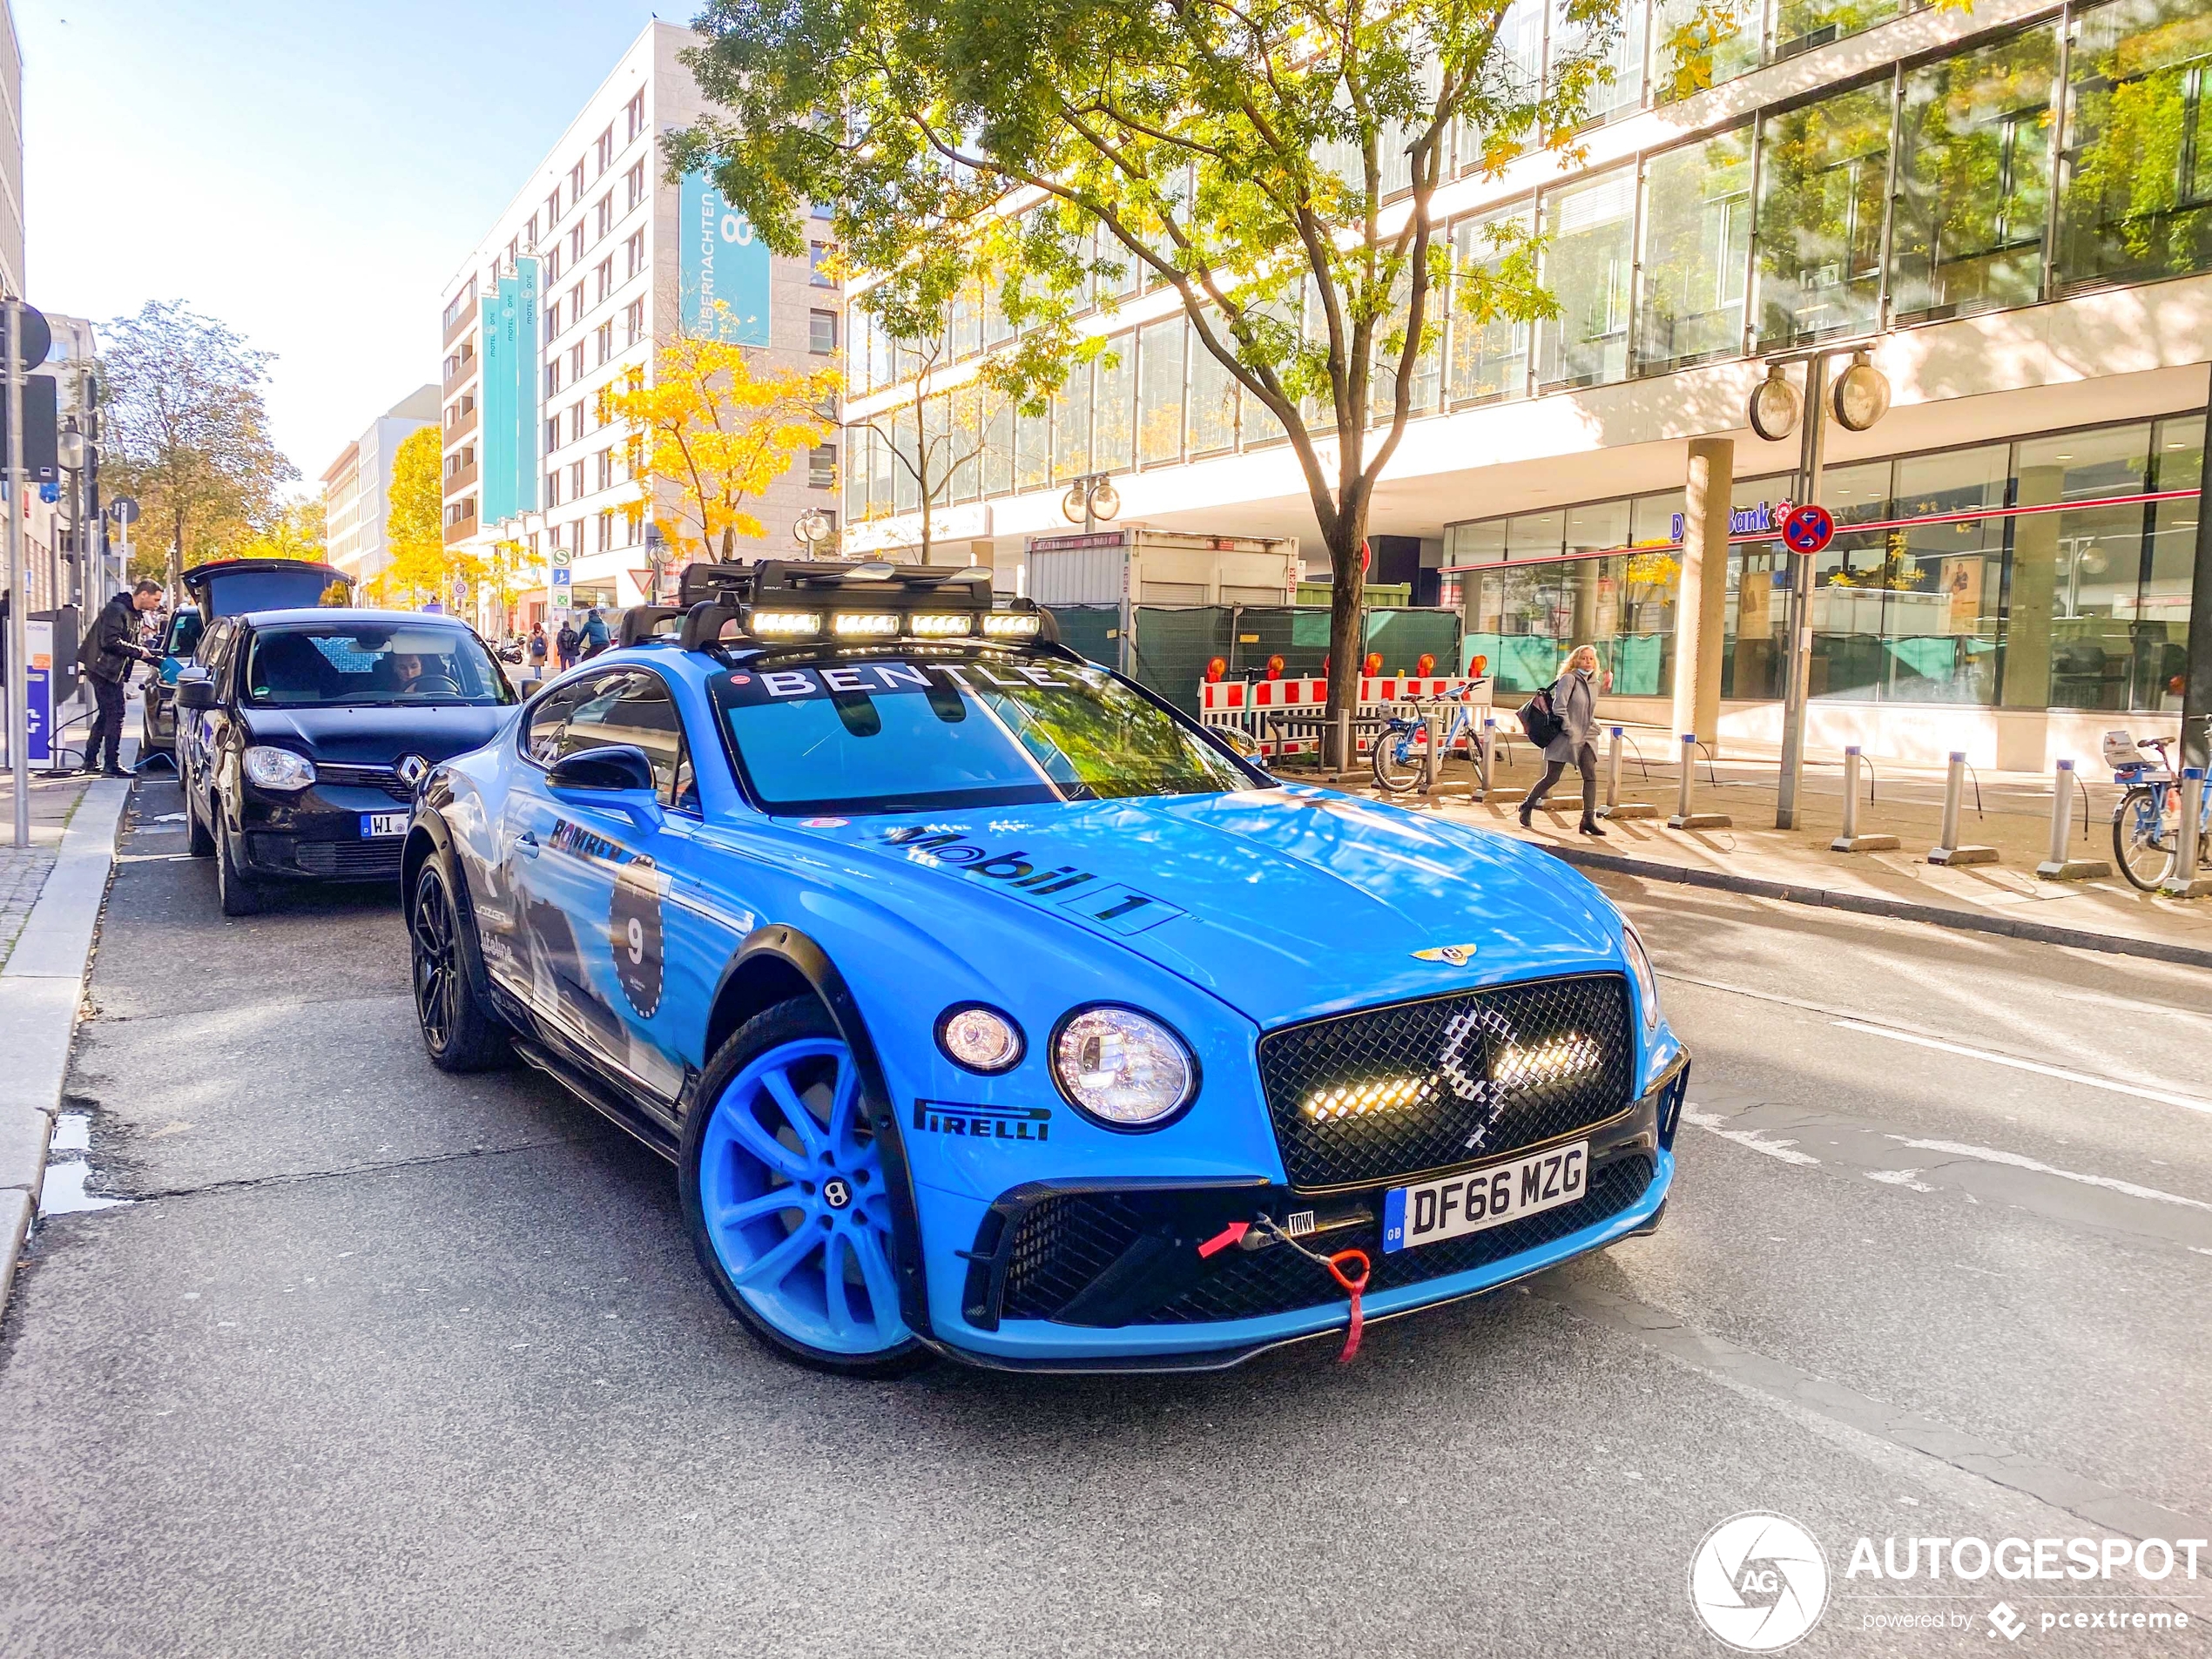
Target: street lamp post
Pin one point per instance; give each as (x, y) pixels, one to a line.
(1092, 497)
(1860, 397)
(813, 531)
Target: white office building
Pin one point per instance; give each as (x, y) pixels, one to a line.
(604, 229)
(357, 486)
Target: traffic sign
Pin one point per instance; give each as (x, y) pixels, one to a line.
(123, 511)
(562, 576)
(1808, 530)
(563, 557)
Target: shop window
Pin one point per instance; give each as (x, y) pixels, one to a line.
(2070, 639)
(1697, 252)
(1824, 170)
(2137, 195)
(1974, 180)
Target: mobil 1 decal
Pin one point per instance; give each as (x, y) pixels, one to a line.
(634, 931)
(1082, 893)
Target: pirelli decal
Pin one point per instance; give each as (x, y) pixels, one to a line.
(984, 1123)
(1111, 905)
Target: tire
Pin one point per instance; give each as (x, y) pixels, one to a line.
(1395, 773)
(2140, 846)
(239, 893)
(198, 841)
(761, 1198)
(459, 1032)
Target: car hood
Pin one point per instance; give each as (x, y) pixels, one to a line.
(365, 735)
(1285, 903)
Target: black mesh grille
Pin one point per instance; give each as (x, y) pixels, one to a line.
(1063, 1244)
(1394, 1092)
(352, 860)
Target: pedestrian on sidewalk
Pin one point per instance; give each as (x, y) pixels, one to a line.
(597, 638)
(111, 646)
(537, 651)
(1574, 698)
(564, 643)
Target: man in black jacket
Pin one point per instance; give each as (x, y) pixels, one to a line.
(111, 646)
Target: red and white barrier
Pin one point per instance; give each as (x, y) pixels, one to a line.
(1246, 705)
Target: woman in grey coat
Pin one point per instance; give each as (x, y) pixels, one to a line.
(1575, 700)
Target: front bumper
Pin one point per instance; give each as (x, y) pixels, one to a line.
(1106, 1275)
(314, 834)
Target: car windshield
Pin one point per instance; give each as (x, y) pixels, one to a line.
(920, 730)
(313, 664)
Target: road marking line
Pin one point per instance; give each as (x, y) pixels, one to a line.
(1712, 1122)
(2188, 1102)
(1900, 1178)
(1990, 1155)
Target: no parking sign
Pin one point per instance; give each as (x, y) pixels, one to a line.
(1808, 530)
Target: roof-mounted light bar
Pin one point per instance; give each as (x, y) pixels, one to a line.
(780, 600)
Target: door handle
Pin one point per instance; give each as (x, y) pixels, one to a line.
(526, 844)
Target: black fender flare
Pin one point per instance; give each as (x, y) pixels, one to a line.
(796, 950)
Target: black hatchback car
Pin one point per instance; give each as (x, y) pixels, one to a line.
(301, 735)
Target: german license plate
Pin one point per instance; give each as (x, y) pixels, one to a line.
(377, 824)
(1483, 1198)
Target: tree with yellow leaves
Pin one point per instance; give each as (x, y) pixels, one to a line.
(720, 433)
(421, 567)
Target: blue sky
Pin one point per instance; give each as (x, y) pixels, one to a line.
(310, 171)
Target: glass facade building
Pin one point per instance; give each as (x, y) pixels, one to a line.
(2052, 571)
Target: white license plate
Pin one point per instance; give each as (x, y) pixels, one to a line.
(1483, 1198)
(375, 824)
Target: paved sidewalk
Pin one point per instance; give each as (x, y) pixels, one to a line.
(1751, 856)
(42, 985)
(23, 870)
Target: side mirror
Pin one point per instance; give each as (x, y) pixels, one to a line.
(616, 776)
(1240, 746)
(195, 689)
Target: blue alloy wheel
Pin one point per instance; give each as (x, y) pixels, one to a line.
(791, 1199)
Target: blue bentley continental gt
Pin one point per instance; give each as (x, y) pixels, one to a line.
(988, 1008)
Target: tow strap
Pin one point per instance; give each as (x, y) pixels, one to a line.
(1234, 1233)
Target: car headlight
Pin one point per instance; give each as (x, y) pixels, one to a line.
(1122, 1068)
(273, 768)
(1646, 981)
(979, 1038)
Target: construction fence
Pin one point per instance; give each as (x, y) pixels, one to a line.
(1174, 643)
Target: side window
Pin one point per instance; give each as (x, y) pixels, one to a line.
(638, 709)
(545, 728)
(215, 650)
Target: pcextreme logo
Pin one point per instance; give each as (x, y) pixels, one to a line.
(1758, 1581)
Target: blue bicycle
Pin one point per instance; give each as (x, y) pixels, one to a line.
(1403, 740)
(2146, 825)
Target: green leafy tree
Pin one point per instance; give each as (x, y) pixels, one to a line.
(1271, 163)
(188, 432)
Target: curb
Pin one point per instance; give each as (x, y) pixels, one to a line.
(42, 989)
(1935, 915)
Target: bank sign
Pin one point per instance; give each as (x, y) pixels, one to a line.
(725, 268)
(1760, 518)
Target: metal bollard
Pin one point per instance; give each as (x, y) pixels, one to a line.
(1485, 755)
(1685, 815)
(1430, 767)
(1948, 850)
(1850, 841)
(1614, 806)
(2059, 866)
(2183, 881)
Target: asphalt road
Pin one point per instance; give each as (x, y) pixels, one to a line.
(375, 1360)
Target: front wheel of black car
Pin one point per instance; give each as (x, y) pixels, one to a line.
(783, 1193)
(199, 840)
(239, 893)
(460, 1033)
